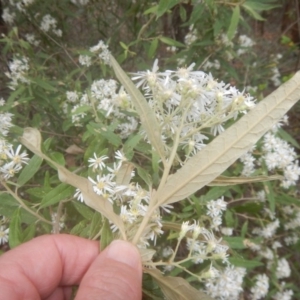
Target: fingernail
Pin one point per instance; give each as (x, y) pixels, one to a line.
(124, 252)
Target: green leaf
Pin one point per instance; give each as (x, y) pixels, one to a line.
(235, 242)
(152, 48)
(270, 196)
(59, 193)
(147, 116)
(106, 235)
(84, 210)
(164, 6)
(105, 132)
(132, 142)
(252, 12)
(151, 10)
(96, 145)
(81, 109)
(29, 233)
(234, 22)
(170, 42)
(259, 5)
(58, 158)
(214, 193)
(44, 84)
(244, 229)
(286, 200)
(182, 13)
(8, 206)
(78, 228)
(287, 137)
(95, 226)
(15, 229)
(144, 175)
(248, 264)
(226, 148)
(196, 14)
(29, 170)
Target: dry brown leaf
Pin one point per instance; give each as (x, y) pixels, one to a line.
(124, 174)
(74, 149)
(176, 288)
(224, 180)
(146, 114)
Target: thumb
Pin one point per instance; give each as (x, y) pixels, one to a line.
(116, 274)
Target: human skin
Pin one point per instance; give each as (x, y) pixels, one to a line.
(47, 267)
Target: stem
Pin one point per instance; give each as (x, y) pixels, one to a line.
(144, 222)
(22, 204)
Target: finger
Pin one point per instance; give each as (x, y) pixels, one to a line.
(35, 269)
(116, 274)
(61, 293)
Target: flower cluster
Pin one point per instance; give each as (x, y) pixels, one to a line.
(261, 287)
(227, 285)
(11, 160)
(18, 69)
(278, 156)
(215, 208)
(49, 24)
(101, 49)
(188, 103)
(130, 197)
(102, 96)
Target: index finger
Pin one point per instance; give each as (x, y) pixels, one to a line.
(35, 269)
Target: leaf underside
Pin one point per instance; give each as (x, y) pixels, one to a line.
(217, 156)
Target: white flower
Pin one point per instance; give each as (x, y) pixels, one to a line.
(48, 23)
(185, 227)
(167, 251)
(283, 269)
(7, 16)
(226, 286)
(30, 38)
(227, 230)
(78, 195)
(103, 185)
(102, 49)
(261, 287)
(97, 162)
(120, 156)
(5, 123)
(18, 69)
(85, 60)
(215, 208)
(16, 157)
(285, 295)
(10, 169)
(3, 235)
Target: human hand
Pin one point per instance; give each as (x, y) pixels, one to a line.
(48, 266)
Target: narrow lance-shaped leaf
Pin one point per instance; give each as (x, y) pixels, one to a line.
(216, 157)
(146, 114)
(224, 180)
(176, 288)
(32, 140)
(233, 22)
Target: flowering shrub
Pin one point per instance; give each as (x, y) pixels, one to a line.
(197, 173)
